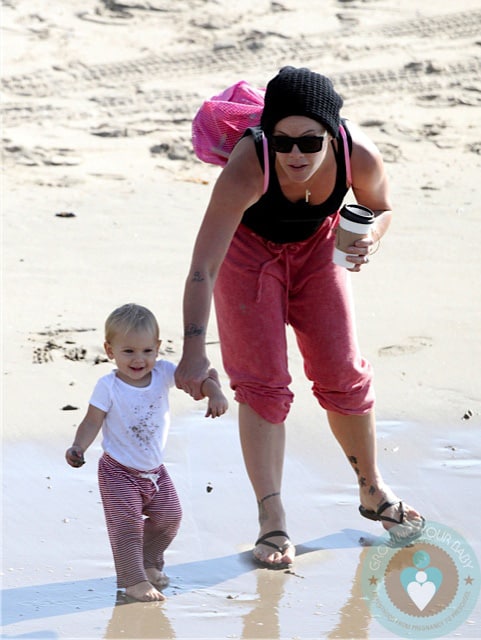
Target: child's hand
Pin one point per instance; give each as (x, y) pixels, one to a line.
(75, 456)
(217, 401)
(217, 406)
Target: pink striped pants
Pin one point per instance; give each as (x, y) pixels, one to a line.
(263, 286)
(143, 516)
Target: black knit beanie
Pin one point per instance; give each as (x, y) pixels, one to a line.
(301, 92)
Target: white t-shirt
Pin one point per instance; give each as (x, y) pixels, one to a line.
(137, 423)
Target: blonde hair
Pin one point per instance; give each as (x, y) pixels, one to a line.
(130, 317)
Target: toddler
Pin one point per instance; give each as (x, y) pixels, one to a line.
(131, 406)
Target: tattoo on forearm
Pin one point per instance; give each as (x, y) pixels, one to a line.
(197, 277)
(192, 330)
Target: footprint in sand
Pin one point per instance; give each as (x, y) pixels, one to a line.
(75, 353)
(475, 147)
(37, 156)
(60, 340)
(42, 355)
(412, 345)
(390, 152)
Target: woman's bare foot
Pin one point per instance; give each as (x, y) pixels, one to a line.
(144, 591)
(158, 578)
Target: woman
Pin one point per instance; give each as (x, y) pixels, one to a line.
(267, 259)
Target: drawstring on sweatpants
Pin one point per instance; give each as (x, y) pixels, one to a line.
(153, 477)
(280, 252)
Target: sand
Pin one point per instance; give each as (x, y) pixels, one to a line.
(101, 200)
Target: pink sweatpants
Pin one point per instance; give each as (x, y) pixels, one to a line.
(261, 287)
(138, 542)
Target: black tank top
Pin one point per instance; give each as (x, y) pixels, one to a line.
(276, 218)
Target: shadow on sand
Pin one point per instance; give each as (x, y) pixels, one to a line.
(77, 596)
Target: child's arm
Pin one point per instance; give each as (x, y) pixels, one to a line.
(217, 404)
(86, 433)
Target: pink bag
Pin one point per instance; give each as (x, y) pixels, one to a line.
(220, 122)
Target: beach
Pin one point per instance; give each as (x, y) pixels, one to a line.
(101, 201)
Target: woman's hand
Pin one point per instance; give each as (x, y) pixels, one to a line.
(191, 373)
(360, 252)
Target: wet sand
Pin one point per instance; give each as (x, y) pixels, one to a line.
(59, 580)
(97, 108)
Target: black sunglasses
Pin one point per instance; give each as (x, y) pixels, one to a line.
(305, 144)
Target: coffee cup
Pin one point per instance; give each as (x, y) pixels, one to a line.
(354, 223)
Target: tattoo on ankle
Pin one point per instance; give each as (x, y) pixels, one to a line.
(260, 504)
(262, 514)
(361, 479)
(269, 495)
(353, 461)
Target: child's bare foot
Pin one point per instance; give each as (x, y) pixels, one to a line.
(157, 578)
(144, 591)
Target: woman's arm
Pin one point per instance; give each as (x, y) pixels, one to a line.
(371, 189)
(237, 188)
(370, 182)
